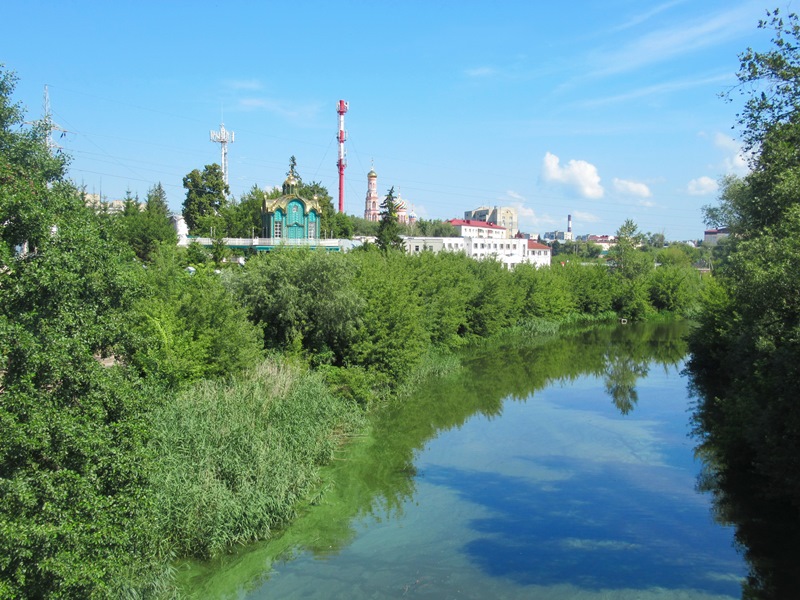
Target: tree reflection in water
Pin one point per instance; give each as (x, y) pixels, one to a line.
(621, 374)
(760, 500)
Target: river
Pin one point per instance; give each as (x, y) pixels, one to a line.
(559, 468)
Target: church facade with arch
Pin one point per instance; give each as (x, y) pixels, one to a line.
(290, 216)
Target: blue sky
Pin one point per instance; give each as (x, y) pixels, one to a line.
(603, 110)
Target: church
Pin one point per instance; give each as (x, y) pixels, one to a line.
(290, 216)
(372, 207)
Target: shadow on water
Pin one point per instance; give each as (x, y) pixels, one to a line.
(375, 475)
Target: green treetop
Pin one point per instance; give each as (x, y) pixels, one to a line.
(389, 228)
(206, 197)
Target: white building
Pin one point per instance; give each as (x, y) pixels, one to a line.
(181, 229)
(479, 229)
(504, 216)
(509, 251)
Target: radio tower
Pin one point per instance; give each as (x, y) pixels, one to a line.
(341, 108)
(50, 124)
(222, 137)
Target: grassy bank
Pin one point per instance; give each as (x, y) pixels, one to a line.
(235, 458)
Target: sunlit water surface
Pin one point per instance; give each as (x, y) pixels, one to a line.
(512, 480)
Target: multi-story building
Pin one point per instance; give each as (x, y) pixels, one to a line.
(509, 251)
(560, 236)
(479, 229)
(504, 216)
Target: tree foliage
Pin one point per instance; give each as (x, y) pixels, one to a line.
(243, 218)
(145, 228)
(206, 199)
(72, 432)
(388, 236)
(744, 352)
(770, 80)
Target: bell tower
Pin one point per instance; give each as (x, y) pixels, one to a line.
(372, 209)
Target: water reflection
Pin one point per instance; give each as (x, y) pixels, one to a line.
(751, 467)
(375, 475)
(562, 531)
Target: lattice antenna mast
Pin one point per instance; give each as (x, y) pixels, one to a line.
(341, 108)
(223, 137)
(50, 124)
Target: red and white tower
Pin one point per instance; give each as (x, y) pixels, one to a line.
(372, 210)
(341, 108)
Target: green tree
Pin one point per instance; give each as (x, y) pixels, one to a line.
(156, 201)
(305, 302)
(744, 351)
(628, 261)
(73, 433)
(243, 218)
(389, 228)
(435, 228)
(188, 327)
(363, 227)
(392, 340)
(770, 80)
(144, 228)
(631, 266)
(673, 288)
(206, 199)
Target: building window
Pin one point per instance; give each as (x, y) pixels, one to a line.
(312, 230)
(278, 229)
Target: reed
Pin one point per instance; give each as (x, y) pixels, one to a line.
(234, 459)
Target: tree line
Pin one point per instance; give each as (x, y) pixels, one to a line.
(210, 211)
(744, 362)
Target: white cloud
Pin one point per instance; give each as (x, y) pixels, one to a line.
(585, 217)
(632, 188)
(577, 174)
(657, 90)
(528, 217)
(652, 12)
(647, 203)
(735, 162)
(702, 186)
(678, 39)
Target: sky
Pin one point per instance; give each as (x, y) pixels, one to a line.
(603, 110)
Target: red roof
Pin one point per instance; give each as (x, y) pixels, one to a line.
(534, 245)
(473, 223)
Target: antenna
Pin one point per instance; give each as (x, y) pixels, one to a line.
(341, 108)
(223, 137)
(50, 124)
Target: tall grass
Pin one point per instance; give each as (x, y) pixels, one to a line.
(235, 458)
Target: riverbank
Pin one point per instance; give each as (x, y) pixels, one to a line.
(382, 487)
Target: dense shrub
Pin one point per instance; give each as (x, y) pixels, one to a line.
(187, 327)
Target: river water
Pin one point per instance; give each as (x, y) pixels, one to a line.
(554, 469)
